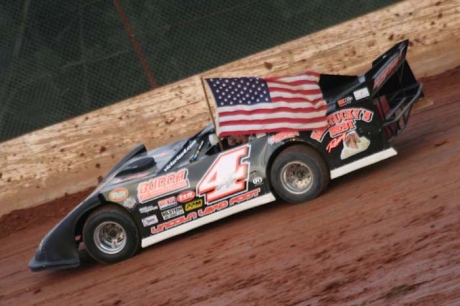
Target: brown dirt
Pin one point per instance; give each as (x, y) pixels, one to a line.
(385, 235)
(54, 210)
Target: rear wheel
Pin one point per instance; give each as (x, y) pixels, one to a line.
(299, 174)
(110, 235)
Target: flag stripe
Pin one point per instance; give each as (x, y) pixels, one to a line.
(294, 85)
(272, 106)
(298, 93)
(267, 128)
(257, 131)
(296, 78)
(316, 98)
(288, 111)
(263, 121)
(287, 116)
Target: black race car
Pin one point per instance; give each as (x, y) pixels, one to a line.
(150, 196)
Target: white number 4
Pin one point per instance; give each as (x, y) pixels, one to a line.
(226, 176)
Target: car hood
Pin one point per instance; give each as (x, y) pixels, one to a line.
(140, 162)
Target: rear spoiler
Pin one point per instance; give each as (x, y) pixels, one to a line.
(387, 64)
(390, 84)
(393, 88)
(388, 72)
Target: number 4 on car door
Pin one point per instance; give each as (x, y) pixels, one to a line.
(227, 175)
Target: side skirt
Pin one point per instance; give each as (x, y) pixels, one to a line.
(267, 198)
(363, 162)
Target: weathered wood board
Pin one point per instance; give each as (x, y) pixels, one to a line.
(73, 155)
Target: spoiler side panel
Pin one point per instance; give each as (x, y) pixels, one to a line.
(384, 67)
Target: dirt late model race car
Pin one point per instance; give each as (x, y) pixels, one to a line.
(150, 196)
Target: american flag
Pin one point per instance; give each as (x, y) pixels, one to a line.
(251, 105)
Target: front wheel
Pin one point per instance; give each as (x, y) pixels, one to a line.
(110, 235)
(299, 174)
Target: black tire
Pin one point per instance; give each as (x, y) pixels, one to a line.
(100, 229)
(300, 161)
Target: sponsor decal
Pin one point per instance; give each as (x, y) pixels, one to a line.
(226, 182)
(282, 136)
(162, 153)
(118, 194)
(150, 220)
(179, 156)
(342, 129)
(185, 196)
(257, 180)
(336, 141)
(193, 205)
(245, 196)
(344, 101)
(162, 185)
(361, 93)
(353, 144)
(227, 175)
(173, 223)
(341, 122)
(173, 212)
(130, 177)
(224, 204)
(387, 71)
(168, 202)
(213, 208)
(197, 152)
(129, 203)
(147, 209)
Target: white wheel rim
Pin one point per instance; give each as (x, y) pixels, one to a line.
(110, 237)
(296, 177)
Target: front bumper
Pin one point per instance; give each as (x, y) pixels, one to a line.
(57, 250)
(39, 263)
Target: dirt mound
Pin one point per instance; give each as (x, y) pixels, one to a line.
(54, 210)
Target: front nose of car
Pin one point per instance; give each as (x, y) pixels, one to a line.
(56, 251)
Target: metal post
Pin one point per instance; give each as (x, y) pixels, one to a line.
(210, 113)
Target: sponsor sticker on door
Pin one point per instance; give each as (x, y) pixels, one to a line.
(150, 220)
(118, 194)
(147, 209)
(168, 202)
(173, 212)
(193, 205)
(186, 196)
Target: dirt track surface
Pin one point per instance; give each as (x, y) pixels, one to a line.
(388, 234)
